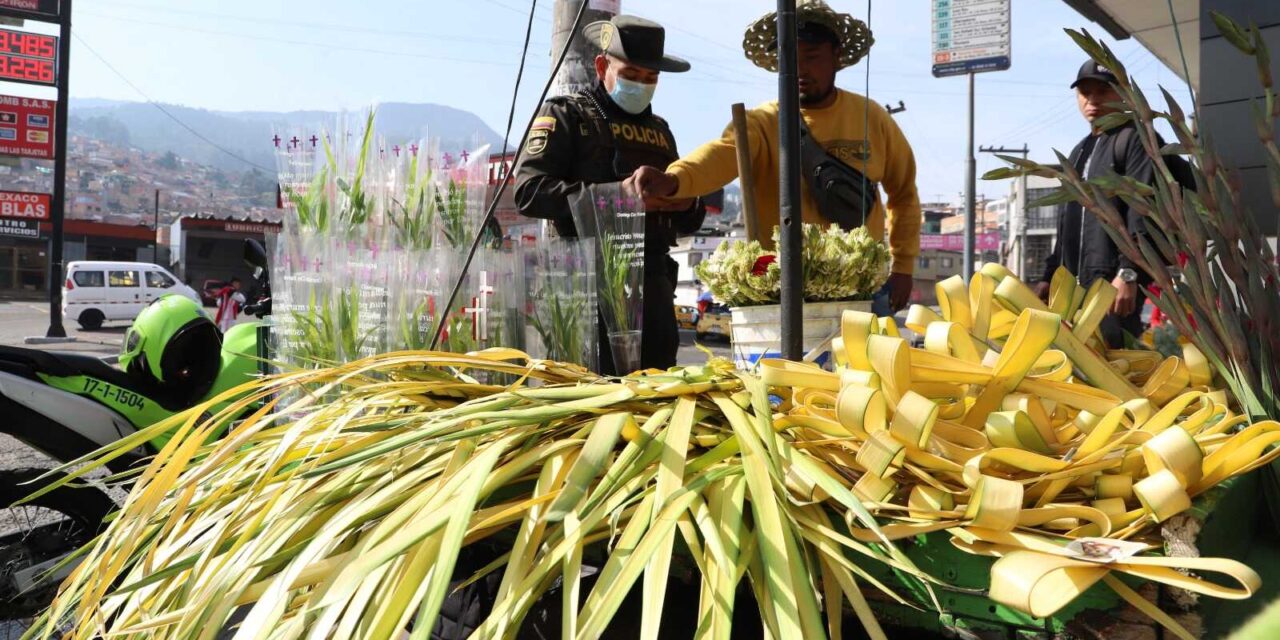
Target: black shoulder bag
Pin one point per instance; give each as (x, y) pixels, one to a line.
(843, 194)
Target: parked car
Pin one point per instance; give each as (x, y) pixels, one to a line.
(686, 317)
(717, 321)
(209, 292)
(96, 292)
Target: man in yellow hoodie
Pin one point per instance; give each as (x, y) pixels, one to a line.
(851, 129)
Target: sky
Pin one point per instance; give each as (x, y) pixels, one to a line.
(340, 54)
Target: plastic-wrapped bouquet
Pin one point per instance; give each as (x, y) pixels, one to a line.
(838, 265)
(616, 219)
(562, 312)
(461, 185)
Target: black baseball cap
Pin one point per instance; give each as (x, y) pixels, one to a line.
(1091, 70)
(636, 40)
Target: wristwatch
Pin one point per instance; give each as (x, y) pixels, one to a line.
(1127, 275)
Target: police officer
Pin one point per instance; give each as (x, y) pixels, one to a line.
(602, 135)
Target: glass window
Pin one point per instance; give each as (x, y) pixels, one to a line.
(30, 274)
(924, 263)
(6, 267)
(89, 279)
(124, 279)
(157, 280)
(948, 263)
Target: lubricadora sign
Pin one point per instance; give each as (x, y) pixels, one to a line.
(20, 204)
(26, 127)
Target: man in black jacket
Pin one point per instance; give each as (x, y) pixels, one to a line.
(1083, 246)
(601, 136)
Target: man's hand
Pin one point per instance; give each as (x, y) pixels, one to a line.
(1126, 299)
(656, 187)
(1042, 291)
(900, 285)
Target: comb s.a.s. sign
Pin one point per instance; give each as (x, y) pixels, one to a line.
(26, 127)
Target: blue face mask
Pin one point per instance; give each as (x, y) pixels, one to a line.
(632, 97)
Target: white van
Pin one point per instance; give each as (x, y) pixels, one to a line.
(95, 292)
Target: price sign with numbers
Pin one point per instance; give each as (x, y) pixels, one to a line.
(28, 57)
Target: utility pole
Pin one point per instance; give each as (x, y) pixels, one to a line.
(59, 213)
(970, 186)
(1022, 209)
(155, 240)
(578, 71)
(791, 236)
(898, 109)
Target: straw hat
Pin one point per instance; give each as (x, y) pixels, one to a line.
(761, 41)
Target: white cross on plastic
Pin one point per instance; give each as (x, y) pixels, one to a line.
(479, 308)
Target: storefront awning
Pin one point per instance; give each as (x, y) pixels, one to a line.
(1151, 24)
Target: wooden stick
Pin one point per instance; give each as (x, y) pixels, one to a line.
(745, 177)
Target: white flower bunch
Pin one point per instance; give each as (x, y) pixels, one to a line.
(838, 265)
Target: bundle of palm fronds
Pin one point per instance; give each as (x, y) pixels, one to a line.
(345, 520)
(1217, 276)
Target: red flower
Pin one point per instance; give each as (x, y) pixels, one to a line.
(1182, 259)
(761, 266)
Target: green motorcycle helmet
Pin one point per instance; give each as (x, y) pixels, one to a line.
(173, 350)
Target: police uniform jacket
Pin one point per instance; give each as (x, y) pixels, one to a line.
(586, 139)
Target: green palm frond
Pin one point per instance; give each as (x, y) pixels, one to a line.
(345, 519)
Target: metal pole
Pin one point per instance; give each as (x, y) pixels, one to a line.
(1022, 211)
(56, 330)
(791, 240)
(970, 185)
(1022, 231)
(155, 241)
(578, 71)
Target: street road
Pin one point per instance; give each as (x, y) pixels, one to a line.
(690, 354)
(21, 319)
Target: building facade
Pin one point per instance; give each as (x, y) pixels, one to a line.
(24, 251)
(1032, 230)
(208, 248)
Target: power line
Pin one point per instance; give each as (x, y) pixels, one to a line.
(1061, 112)
(1071, 107)
(323, 45)
(166, 112)
(322, 26)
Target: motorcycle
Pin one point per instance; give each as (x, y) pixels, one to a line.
(260, 305)
(68, 405)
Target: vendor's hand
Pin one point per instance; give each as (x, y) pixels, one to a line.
(900, 285)
(1126, 298)
(655, 186)
(1042, 291)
